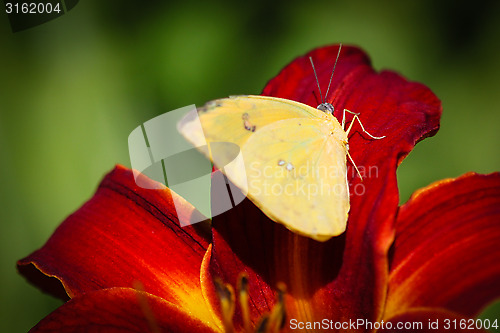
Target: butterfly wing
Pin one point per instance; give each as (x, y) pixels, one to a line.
(296, 174)
(314, 199)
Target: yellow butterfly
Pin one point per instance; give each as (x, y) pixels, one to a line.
(294, 158)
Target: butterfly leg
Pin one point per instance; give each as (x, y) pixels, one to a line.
(362, 127)
(343, 117)
(355, 166)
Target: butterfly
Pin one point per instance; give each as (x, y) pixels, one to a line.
(294, 157)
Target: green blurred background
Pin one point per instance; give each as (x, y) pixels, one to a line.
(72, 90)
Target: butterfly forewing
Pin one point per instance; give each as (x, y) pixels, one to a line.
(234, 119)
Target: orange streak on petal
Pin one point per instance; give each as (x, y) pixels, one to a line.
(208, 290)
(299, 283)
(117, 310)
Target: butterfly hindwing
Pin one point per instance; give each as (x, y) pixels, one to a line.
(296, 174)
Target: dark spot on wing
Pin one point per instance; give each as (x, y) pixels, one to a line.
(247, 124)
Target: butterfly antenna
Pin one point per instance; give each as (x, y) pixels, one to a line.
(317, 81)
(333, 70)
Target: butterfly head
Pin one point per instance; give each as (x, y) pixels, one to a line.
(326, 107)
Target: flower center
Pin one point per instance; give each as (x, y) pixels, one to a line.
(269, 323)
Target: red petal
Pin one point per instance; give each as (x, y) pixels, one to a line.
(353, 266)
(432, 321)
(246, 241)
(120, 310)
(125, 234)
(446, 252)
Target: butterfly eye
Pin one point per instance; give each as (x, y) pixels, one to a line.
(326, 107)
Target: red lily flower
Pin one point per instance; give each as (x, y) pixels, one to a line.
(125, 264)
